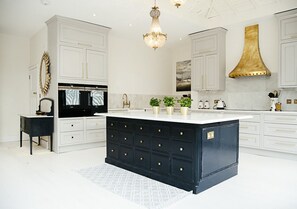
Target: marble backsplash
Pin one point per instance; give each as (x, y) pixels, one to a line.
(248, 93)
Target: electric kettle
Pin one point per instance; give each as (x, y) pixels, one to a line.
(221, 105)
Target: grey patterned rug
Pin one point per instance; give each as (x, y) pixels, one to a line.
(139, 189)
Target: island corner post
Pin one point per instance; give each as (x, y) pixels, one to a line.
(190, 156)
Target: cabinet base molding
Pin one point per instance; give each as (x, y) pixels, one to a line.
(268, 153)
(81, 146)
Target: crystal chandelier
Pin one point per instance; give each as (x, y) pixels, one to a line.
(155, 38)
(178, 3)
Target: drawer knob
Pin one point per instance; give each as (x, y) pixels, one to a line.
(125, 154)
(111, 136)
(111, 124)
(181, 149)
(71, 125)
(125, 126)
(141, 141)
(159, 163)
(140, 128)
(112, 150)
(159, 145)
(141, 158)
(71, 137)
(125, 139)
(159, 130)
(181, 169)
(181, 133)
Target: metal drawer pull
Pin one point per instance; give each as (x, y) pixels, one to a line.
(141, 141)
(181, 169)
(125, 126)
(141, 158)
(125, 154)
(112, 150)
(159, 130)
(181, 133)
(71, 137)
(283, 130)
(159, 145)
(111, 136)
(285, 144)
(244, 127)
(159, 163)
(181, 149)
(125, 139)
(285, 118)
(111, 124)
(140, 128)
(71, 125)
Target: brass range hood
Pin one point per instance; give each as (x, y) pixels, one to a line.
(251, 63)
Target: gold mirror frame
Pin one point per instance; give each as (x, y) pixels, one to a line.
(46, 62)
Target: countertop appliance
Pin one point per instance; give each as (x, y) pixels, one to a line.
(78, 100)
(206, 105)
(221, 105)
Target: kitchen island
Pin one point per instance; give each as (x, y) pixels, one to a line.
(193, 152)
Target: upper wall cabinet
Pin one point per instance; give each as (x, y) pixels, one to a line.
(287, 48)
(208, 59)
(78, 50)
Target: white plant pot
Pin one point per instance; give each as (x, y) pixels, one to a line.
(169, 110)
(184, 110)
(156, 109)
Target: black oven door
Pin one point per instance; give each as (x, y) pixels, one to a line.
(96, 99)
(71, 101)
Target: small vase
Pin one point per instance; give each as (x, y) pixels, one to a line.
(184, 110)
(169, 110)
(156, 109)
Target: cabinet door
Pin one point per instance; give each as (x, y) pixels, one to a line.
(96, 66)
(197, 73)
(288, 71)
(204, 45)
(71, 63)
(211, 77)
(289, 28)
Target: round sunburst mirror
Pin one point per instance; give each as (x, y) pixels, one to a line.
(44, 74)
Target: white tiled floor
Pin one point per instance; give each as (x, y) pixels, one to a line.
(49, 181)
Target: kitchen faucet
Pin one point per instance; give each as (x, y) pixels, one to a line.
(125, 101)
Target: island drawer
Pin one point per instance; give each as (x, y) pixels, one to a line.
(126, 126)
(125, 138)
(142, 141)
(112, 135)
(182, 169)
(142, 159)
(161, 145)
(142, 128)
(112, 150)
(126, 155)
(184, 149)
(111, 123)
(182, 133)
(160, 164)
(160, 131)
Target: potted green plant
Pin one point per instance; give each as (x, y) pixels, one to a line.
(169, 104)
(155, 103)
(185, 103)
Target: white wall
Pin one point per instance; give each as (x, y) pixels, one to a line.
(38, 45)
(135, 68)
(14, 84)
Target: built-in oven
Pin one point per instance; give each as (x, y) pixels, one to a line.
(77, 100)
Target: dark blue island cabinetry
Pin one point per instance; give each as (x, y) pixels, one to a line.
(188, 156)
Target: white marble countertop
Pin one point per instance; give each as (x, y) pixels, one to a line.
(246, 111)
(193, 118)
(36, 116)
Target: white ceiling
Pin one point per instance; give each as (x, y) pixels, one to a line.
(26, 17)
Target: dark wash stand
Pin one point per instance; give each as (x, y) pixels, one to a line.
(37, 126)
(188, 156)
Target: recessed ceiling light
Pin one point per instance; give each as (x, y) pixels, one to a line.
(94, 15)
(45, 2)
(130, 25)
(180, 38)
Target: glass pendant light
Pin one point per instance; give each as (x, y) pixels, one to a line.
(155, 38)
(178, 3)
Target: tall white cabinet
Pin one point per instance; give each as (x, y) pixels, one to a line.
(288, 48)
(78, 53)
(208, 59)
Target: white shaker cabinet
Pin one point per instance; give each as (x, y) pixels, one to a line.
(287, 48)
(208, 60)
(82, 65)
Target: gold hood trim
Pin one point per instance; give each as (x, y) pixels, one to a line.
(251, 63)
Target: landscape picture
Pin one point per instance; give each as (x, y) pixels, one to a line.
(183, 76)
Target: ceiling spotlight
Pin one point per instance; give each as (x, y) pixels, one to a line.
(178, 3)
(45, 2)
